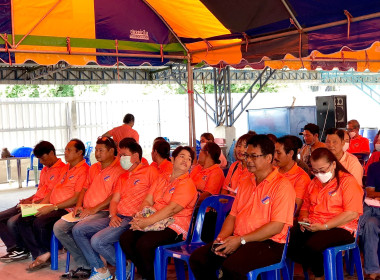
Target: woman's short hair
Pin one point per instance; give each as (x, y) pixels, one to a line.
(213, 150)
(162, 147)
(186, 148)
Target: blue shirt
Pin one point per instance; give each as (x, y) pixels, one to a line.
(373, 176)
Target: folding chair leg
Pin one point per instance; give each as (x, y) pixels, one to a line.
(339, 266)
(329, 263)
(358, 262)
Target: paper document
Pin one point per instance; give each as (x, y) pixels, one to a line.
(372, 202)
(69, 218)
(31, 209)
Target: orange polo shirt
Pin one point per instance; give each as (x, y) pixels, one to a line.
(181, 191)
(120, 132)
(359, 144)
(325, 202)
(232, 181)
(49, 177)
(101, 182)
(272, 200)
(299, 179)
(166, 167)
(144, 161)
(352, 164)
(133, 188)
(73, 180)
(208, 180)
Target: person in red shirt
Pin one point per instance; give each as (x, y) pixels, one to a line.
(208, 177)
(358, 144)
(123, 131)
(92, 203)
(285, 157)
(238, 170)
(330, 212)
(161, 157)
(254, 233)
(37, 229)
(172, 196)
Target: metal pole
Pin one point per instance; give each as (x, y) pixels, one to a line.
(190, 91)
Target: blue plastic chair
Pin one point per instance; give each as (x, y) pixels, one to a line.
(273, 271)
(31, 168)
(88, 154)
(54, 247)
(121, 264)
(181, 251)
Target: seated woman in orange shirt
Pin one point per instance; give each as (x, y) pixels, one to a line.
(208, 177)
(238, 170)
(330, 212)
(161, 157)
(171, 196)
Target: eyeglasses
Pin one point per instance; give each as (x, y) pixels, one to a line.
(320, 171)
(252, 156)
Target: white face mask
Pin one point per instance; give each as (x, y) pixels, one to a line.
(345, 147)
(203, 145)
(324, 177)
(377, 147)
(125, 162)
(352, 134)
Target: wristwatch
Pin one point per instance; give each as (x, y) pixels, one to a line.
(110, 216)
(55, 207)
(242, 241)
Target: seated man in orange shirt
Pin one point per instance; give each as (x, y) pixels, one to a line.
(130, 191)
(93, 201)
(37, 229)
(285, 157)
(311, 139)
(49, 177)
(358, 144)
(123, 131)
(254, 233)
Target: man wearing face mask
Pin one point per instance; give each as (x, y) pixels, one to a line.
(335, 143)
(130, 191)
(92, 204)
(311, 138)
(358, 144)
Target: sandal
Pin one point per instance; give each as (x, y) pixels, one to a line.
(38, 264)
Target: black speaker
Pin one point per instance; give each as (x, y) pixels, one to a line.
(331, 112)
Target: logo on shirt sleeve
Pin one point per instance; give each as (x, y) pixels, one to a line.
(107, 178)
(265, 200)
(71, 177)
(332, 193)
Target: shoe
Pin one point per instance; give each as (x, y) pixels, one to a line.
(95, 275)
(79, 273)
(19, 254)
(6, 259)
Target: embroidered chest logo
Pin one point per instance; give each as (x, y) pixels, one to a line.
(332, 193)
(136, 181)
(71, 177)
(52, 178)
(172, 190)
(265, 200)
(107, 178)
(204, 178)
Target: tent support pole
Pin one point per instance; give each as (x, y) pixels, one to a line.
(190, 91)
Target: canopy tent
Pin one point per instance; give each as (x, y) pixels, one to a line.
(276, 33)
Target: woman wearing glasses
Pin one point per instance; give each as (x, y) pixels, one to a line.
(329, 214)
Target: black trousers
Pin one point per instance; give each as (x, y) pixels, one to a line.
(36, 231)
(5, 233)
(204, 263)
(307, 247)
(140, 246)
